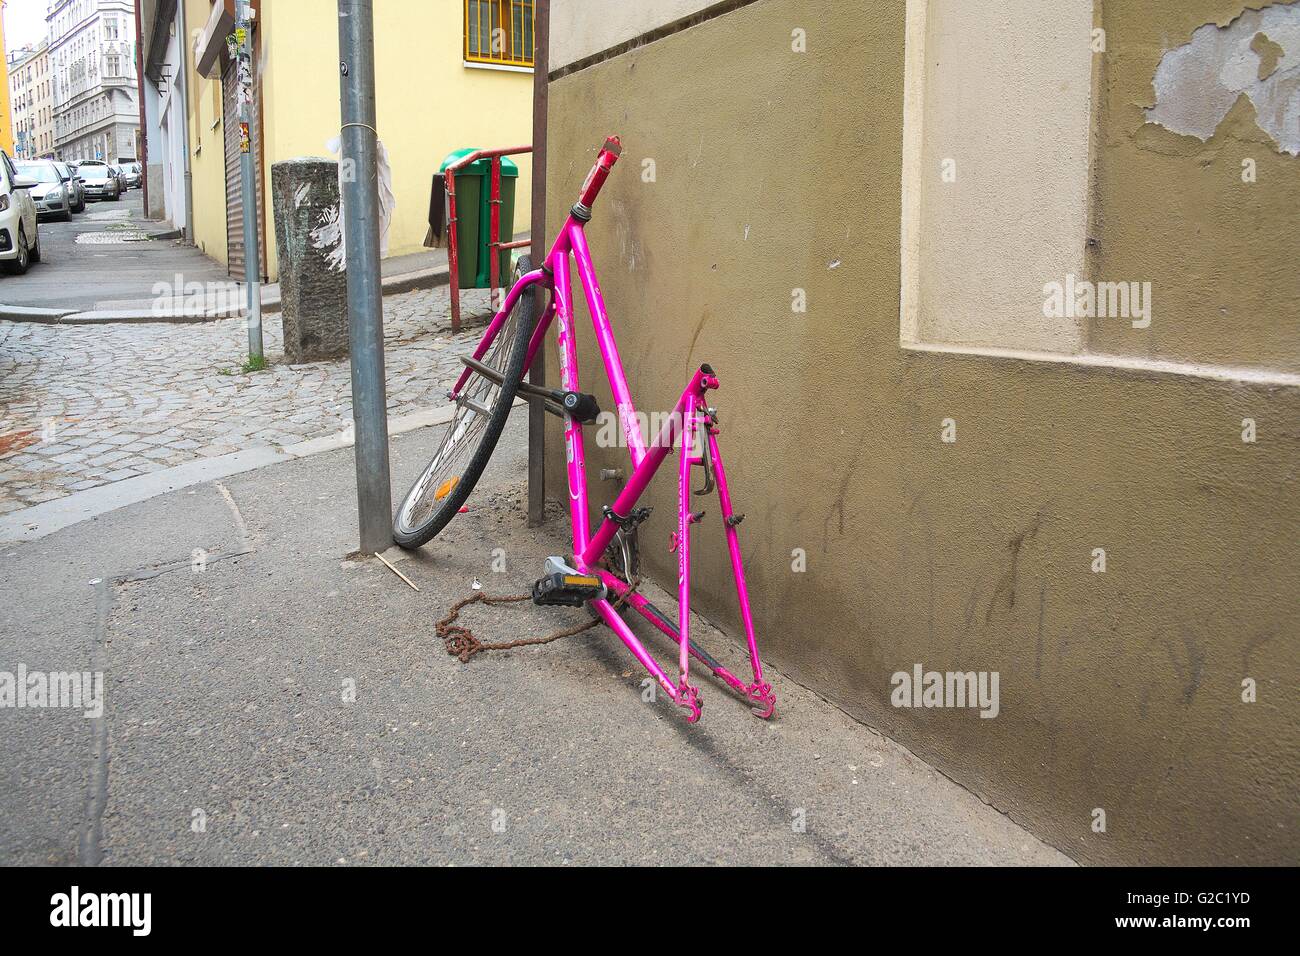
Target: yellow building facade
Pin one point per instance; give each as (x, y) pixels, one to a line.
(6, 115)
(431, 99)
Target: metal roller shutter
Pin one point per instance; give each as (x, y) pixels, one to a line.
(234, 181)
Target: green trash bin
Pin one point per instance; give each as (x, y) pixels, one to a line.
(473, 218)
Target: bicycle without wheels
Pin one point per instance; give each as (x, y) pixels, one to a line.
(601, 571)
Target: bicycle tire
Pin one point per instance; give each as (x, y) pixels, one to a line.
(518, 329)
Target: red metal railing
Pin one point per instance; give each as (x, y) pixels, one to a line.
(494, 225)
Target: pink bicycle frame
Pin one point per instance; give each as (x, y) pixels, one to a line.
(690, 418)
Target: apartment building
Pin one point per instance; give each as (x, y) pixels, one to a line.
(92, 57)
(16, 115)
(31, 100)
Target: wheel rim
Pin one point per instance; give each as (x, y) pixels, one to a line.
(474, 408)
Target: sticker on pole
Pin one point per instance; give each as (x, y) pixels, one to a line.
(244, 145)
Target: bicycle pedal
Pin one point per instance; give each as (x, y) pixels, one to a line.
(562, 586)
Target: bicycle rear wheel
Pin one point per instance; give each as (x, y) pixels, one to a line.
(481, 410)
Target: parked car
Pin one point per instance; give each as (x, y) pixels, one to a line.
(133, 175)
(100, 180)
(20, 239)
(78, 192)
(50, 193)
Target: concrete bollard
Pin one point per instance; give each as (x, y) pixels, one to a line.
(313, 289)
(153, 174)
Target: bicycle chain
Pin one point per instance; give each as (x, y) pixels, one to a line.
(461, 643)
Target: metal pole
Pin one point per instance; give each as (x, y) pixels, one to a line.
(248, 188)
(360, 194)
(183, 92)
(142, 152)
(537, 374)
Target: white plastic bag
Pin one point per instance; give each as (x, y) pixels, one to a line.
(328, 236)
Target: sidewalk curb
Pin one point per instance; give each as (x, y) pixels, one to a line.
(19, 313)
(392, 285)
(38, 521)
(122, 317)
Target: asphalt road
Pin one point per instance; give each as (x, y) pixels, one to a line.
(288, 705)
(94, 274)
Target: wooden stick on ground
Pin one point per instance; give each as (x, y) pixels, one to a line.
(397, 572)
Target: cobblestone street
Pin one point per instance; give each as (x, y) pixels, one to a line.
(84, 405)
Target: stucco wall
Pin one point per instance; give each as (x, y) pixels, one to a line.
(6, 115)
(777, 170)
(579, 30)
(427, 102)
(1218, 250)
(1015, 183)
(207, 146)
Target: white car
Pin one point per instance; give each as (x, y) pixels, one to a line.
(100, 179)
(53, 197)
(20, 243)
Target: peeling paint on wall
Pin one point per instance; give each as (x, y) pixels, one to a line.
(1257, 54)
(328, 238)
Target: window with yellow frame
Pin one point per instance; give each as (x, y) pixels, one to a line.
(499, 32)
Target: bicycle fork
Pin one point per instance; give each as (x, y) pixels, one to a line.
(693, 423)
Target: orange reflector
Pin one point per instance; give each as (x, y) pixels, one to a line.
(581, 580)
(445, 488)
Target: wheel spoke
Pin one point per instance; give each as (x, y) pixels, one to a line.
(476, 407)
